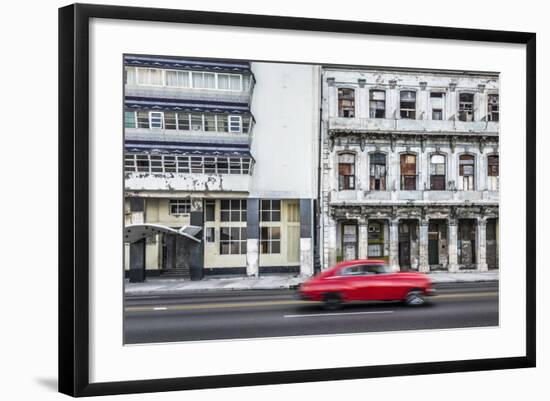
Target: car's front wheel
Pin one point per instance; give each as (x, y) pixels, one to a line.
(415, 298)
(332, 301)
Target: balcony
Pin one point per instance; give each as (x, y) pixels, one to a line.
(164, 92)
(165, 135)
(421, 197)
(186, 182)
(421, 126)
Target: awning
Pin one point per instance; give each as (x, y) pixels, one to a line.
(135, 232)
(185, 105)
(191, 149)
(178, 63)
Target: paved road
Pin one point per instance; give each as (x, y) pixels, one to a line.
(275, 313)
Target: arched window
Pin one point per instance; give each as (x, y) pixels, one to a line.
(408, 104)
(437, 173)
(346, 171)
(378, 172)
(466, 107)
(377, 104)
(466, 180)
(346, 102)
(408, 172)
(492, 172)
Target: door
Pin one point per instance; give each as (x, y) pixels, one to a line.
(433, 248)
(405, 246)
(349, 241)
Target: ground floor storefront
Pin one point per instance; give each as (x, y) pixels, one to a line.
(230, 236)
(422, 238)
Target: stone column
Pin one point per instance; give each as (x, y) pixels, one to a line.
(423, 251)
(452, 246)
(306, 237)
(252, 236)
(363, 238)
(394, 244)
(331, 226)
(481, 244)
(137, 261)
(137, 249)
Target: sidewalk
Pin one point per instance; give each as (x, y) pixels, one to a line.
(177, 286)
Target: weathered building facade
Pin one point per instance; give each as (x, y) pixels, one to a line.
(210, 187)
(409, 168)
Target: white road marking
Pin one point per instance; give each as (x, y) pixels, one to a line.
(160, 308)
(340, 314)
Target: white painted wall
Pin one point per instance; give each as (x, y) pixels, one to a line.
(285, 136)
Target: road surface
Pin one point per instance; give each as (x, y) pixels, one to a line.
(275, 313)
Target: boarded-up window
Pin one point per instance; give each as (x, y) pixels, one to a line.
(437, 173)
(346, 102)
(346, 171)
(378, 172)
(408, 172)
(492, 172)
(408, 104)
(466, 172)
(466, 107)
(377, 104)
(492, 108)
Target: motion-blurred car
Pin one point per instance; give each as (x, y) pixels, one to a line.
(366, 280)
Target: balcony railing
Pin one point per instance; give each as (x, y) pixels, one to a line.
(430, 126)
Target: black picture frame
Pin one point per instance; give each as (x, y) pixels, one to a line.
(74, 201)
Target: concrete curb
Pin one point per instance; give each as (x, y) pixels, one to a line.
(159, 288)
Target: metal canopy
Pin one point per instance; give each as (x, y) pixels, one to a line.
(135, 232)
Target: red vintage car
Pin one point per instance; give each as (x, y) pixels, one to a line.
(366, 280)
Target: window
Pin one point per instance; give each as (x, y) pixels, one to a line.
(233, 210)
(196, 122)
(466, 107)
(408, 104)
(378, 172)
(155, 120)
(130, 76)
(234, 123)
(492, 108)
(170, 121)
(180, 206)
(142, 119)
(209, 234)
(142, 163)
(270, 239)
(176, 79)
(346, 171)
(408, 172)
(232, 240)
(184, 121)
(270, 210)
(346, 102)
(377, 104)
(186, 164)
(437, 103)
(437, 173)
(129, 119)
(229, 82)
(492, 172)
(209, 122)
(149, 76)
(156, 163)
(466, 172)
(204, 80)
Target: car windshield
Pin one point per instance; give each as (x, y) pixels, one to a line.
(363, 270)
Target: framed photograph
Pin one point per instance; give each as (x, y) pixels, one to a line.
(252, 199)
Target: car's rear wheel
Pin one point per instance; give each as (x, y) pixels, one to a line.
(332, 301)
(415, 298)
